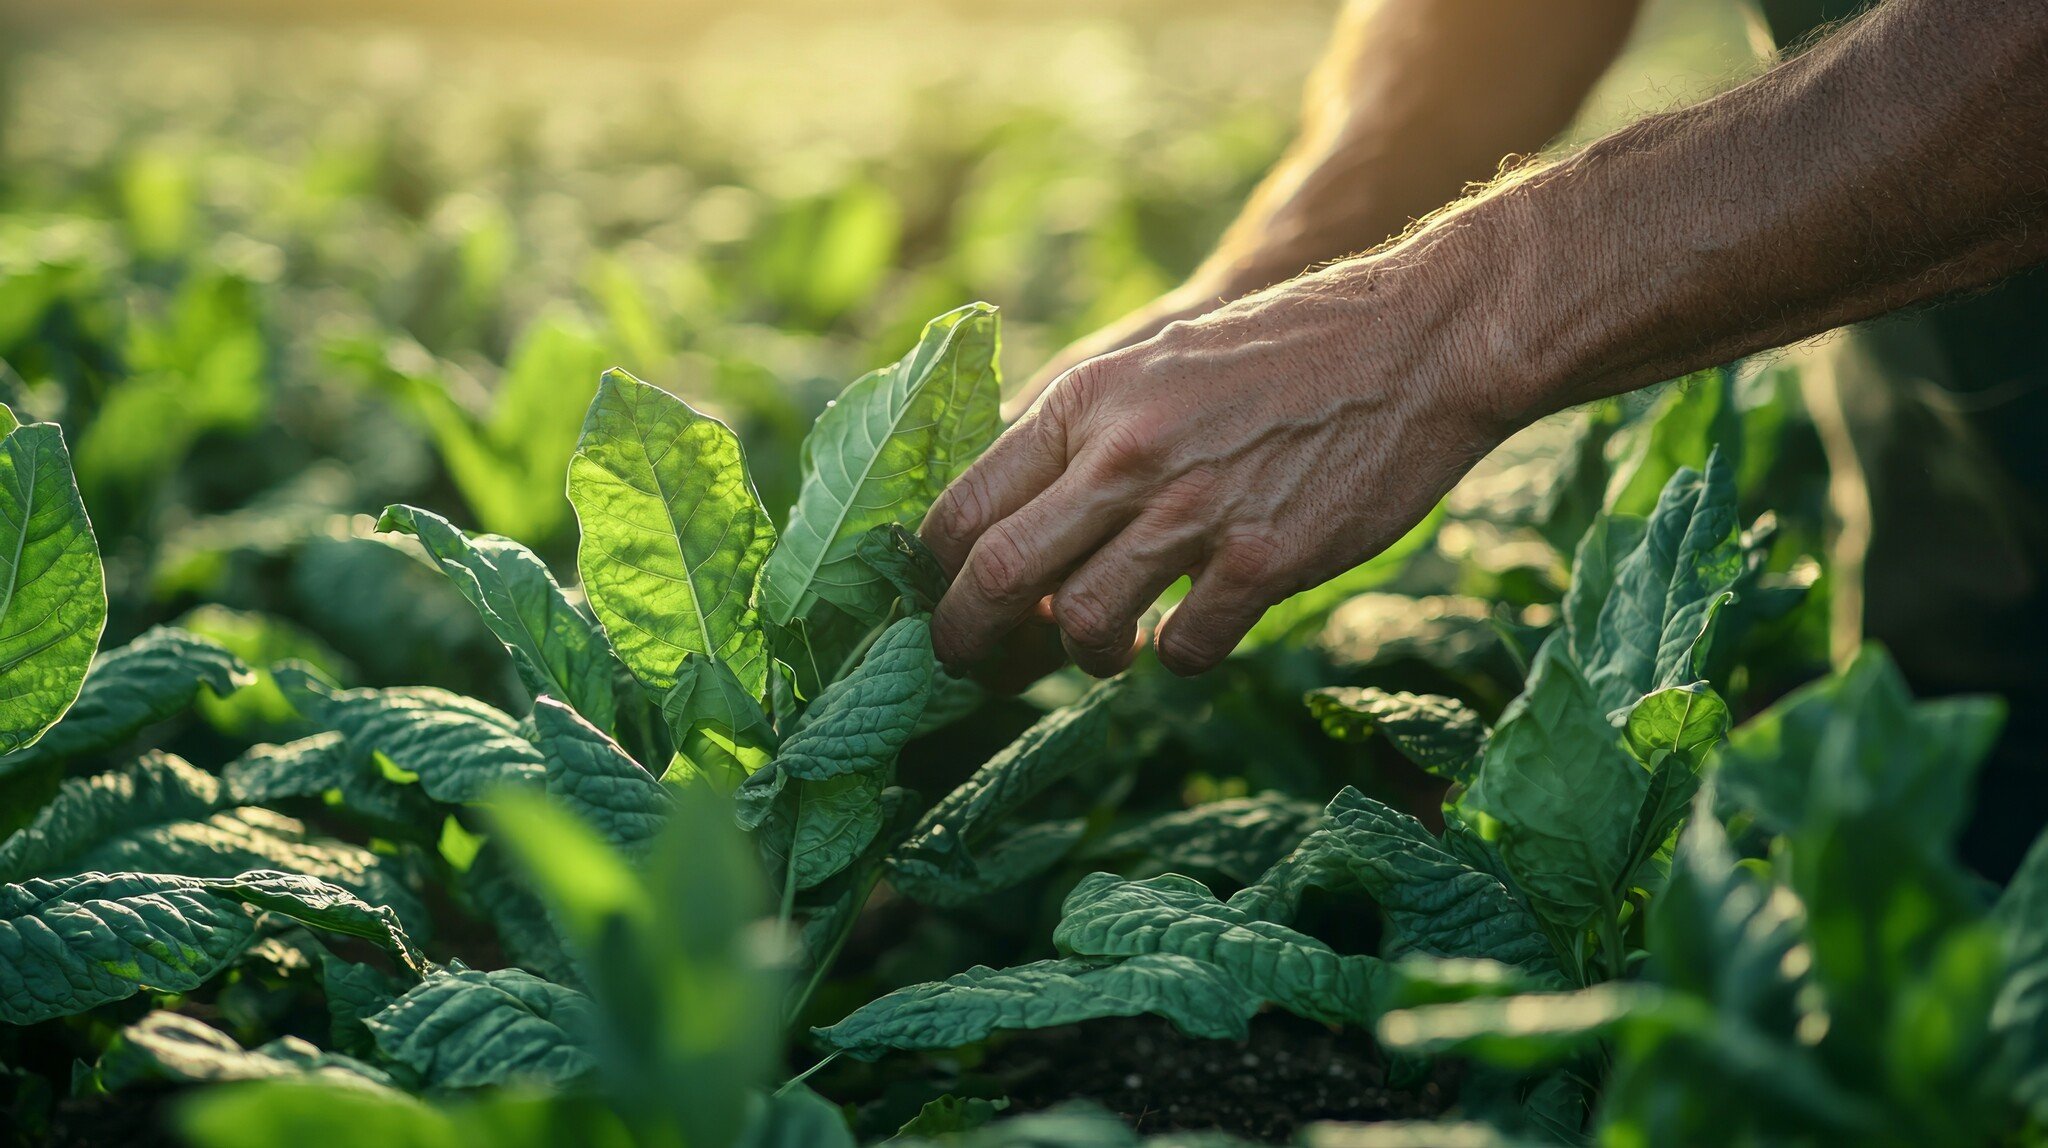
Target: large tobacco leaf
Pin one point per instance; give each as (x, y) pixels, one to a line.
(674, 536)
(1565, 792)
(73, 944)
(939, 863)
(149, 679)
(881, 454)
(161, 815)
(462, 1028)
(1200, 999)
(1107, 916)
(53, 599)
(461, 749)
(556, 649)
(311, 767)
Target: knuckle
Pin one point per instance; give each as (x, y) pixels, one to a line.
(1251, 557)
(1085, 618)
(998, 568)
(1185, 500)
(1131, 444)
(1187, 654)
(959, 513)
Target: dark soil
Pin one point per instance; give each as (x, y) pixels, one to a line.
(1291, 1072)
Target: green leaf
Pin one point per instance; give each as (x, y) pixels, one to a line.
(461, 749)
(1296, 617)
(80, 942)
(53, 599)
(903, 559)
(881, 454)
(1442, 735)
(87, 811)
(595, 779)
(1565, 792)
(320, 765)
(142, 683)
(269, 1113)
(501, 893)
(555, 648)
(824, 784)
(1533, 1029)
(1718, 932)
(1671, 731)
(674, 536)
(1436, 903)
(1650, 630)
(1693, 417)
(1107, 916)
(1200, 999)
(164, 1046)
(796, 1118)
(939, 859)
(719, 729)
(2020, 1016)
(461, 1028)
(951, 1114)
(354, 993)
(1237, 839)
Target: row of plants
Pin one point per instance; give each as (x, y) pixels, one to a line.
(1656, 903)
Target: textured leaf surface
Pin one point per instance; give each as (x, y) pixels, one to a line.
(719, 729)
(1442, 735)
(322, 764)
(674, 536)
(941, 852)
(881, 454)
(1566, 793)
(460, 748)
(462, 1028)
(1107, 916)
(53, 599)
(143, 682)
(817, 802)
(165, 1046)
(74, 944)
(1436, 903)
(1649, 626)
(597, 780)
(906, 563)
(556, 649)
(88, 811)
(1238, 838)
(1200, 999)
(2020, 1015)
(1671, 731)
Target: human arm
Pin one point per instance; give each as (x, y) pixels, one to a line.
(1412, 102)
(1275, 442)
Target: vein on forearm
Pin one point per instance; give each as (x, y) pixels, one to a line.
(1903, 159)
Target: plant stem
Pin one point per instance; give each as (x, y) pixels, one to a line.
(789, 866)
(861, 651)
(1610, 939)
(823, 964)
(800, 1077)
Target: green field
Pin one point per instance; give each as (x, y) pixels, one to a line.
(461, 683)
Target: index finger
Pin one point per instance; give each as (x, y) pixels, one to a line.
(1012, 472)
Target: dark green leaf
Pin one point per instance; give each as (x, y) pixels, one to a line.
(1442, 735)
(460, 748)
(903, 559)
(1238, 838)
(164, 1046)
(144, 682)
(595, 779)
(461, 1028)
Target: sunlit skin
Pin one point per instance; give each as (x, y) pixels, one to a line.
(1267, 444)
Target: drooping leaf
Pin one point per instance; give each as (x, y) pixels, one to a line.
(165, 1046)
(1107, 916)
(597, 780)
(1238, 838)
(1200, 1000)
(881, 454)
(1565, 792)
(674, 536)
(1436, 903)
(460, 748)
(139, 684)
(462, 1028)
(323, 764)
(53, 600)
(355, 992)
(941, 854)
(556, 649)
(1440, 734)
(73, 944)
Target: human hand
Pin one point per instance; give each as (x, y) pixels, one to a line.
(1263, 448)
(1191, 299)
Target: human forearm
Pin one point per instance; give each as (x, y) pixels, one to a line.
(1413, 102)
(1904, 159)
